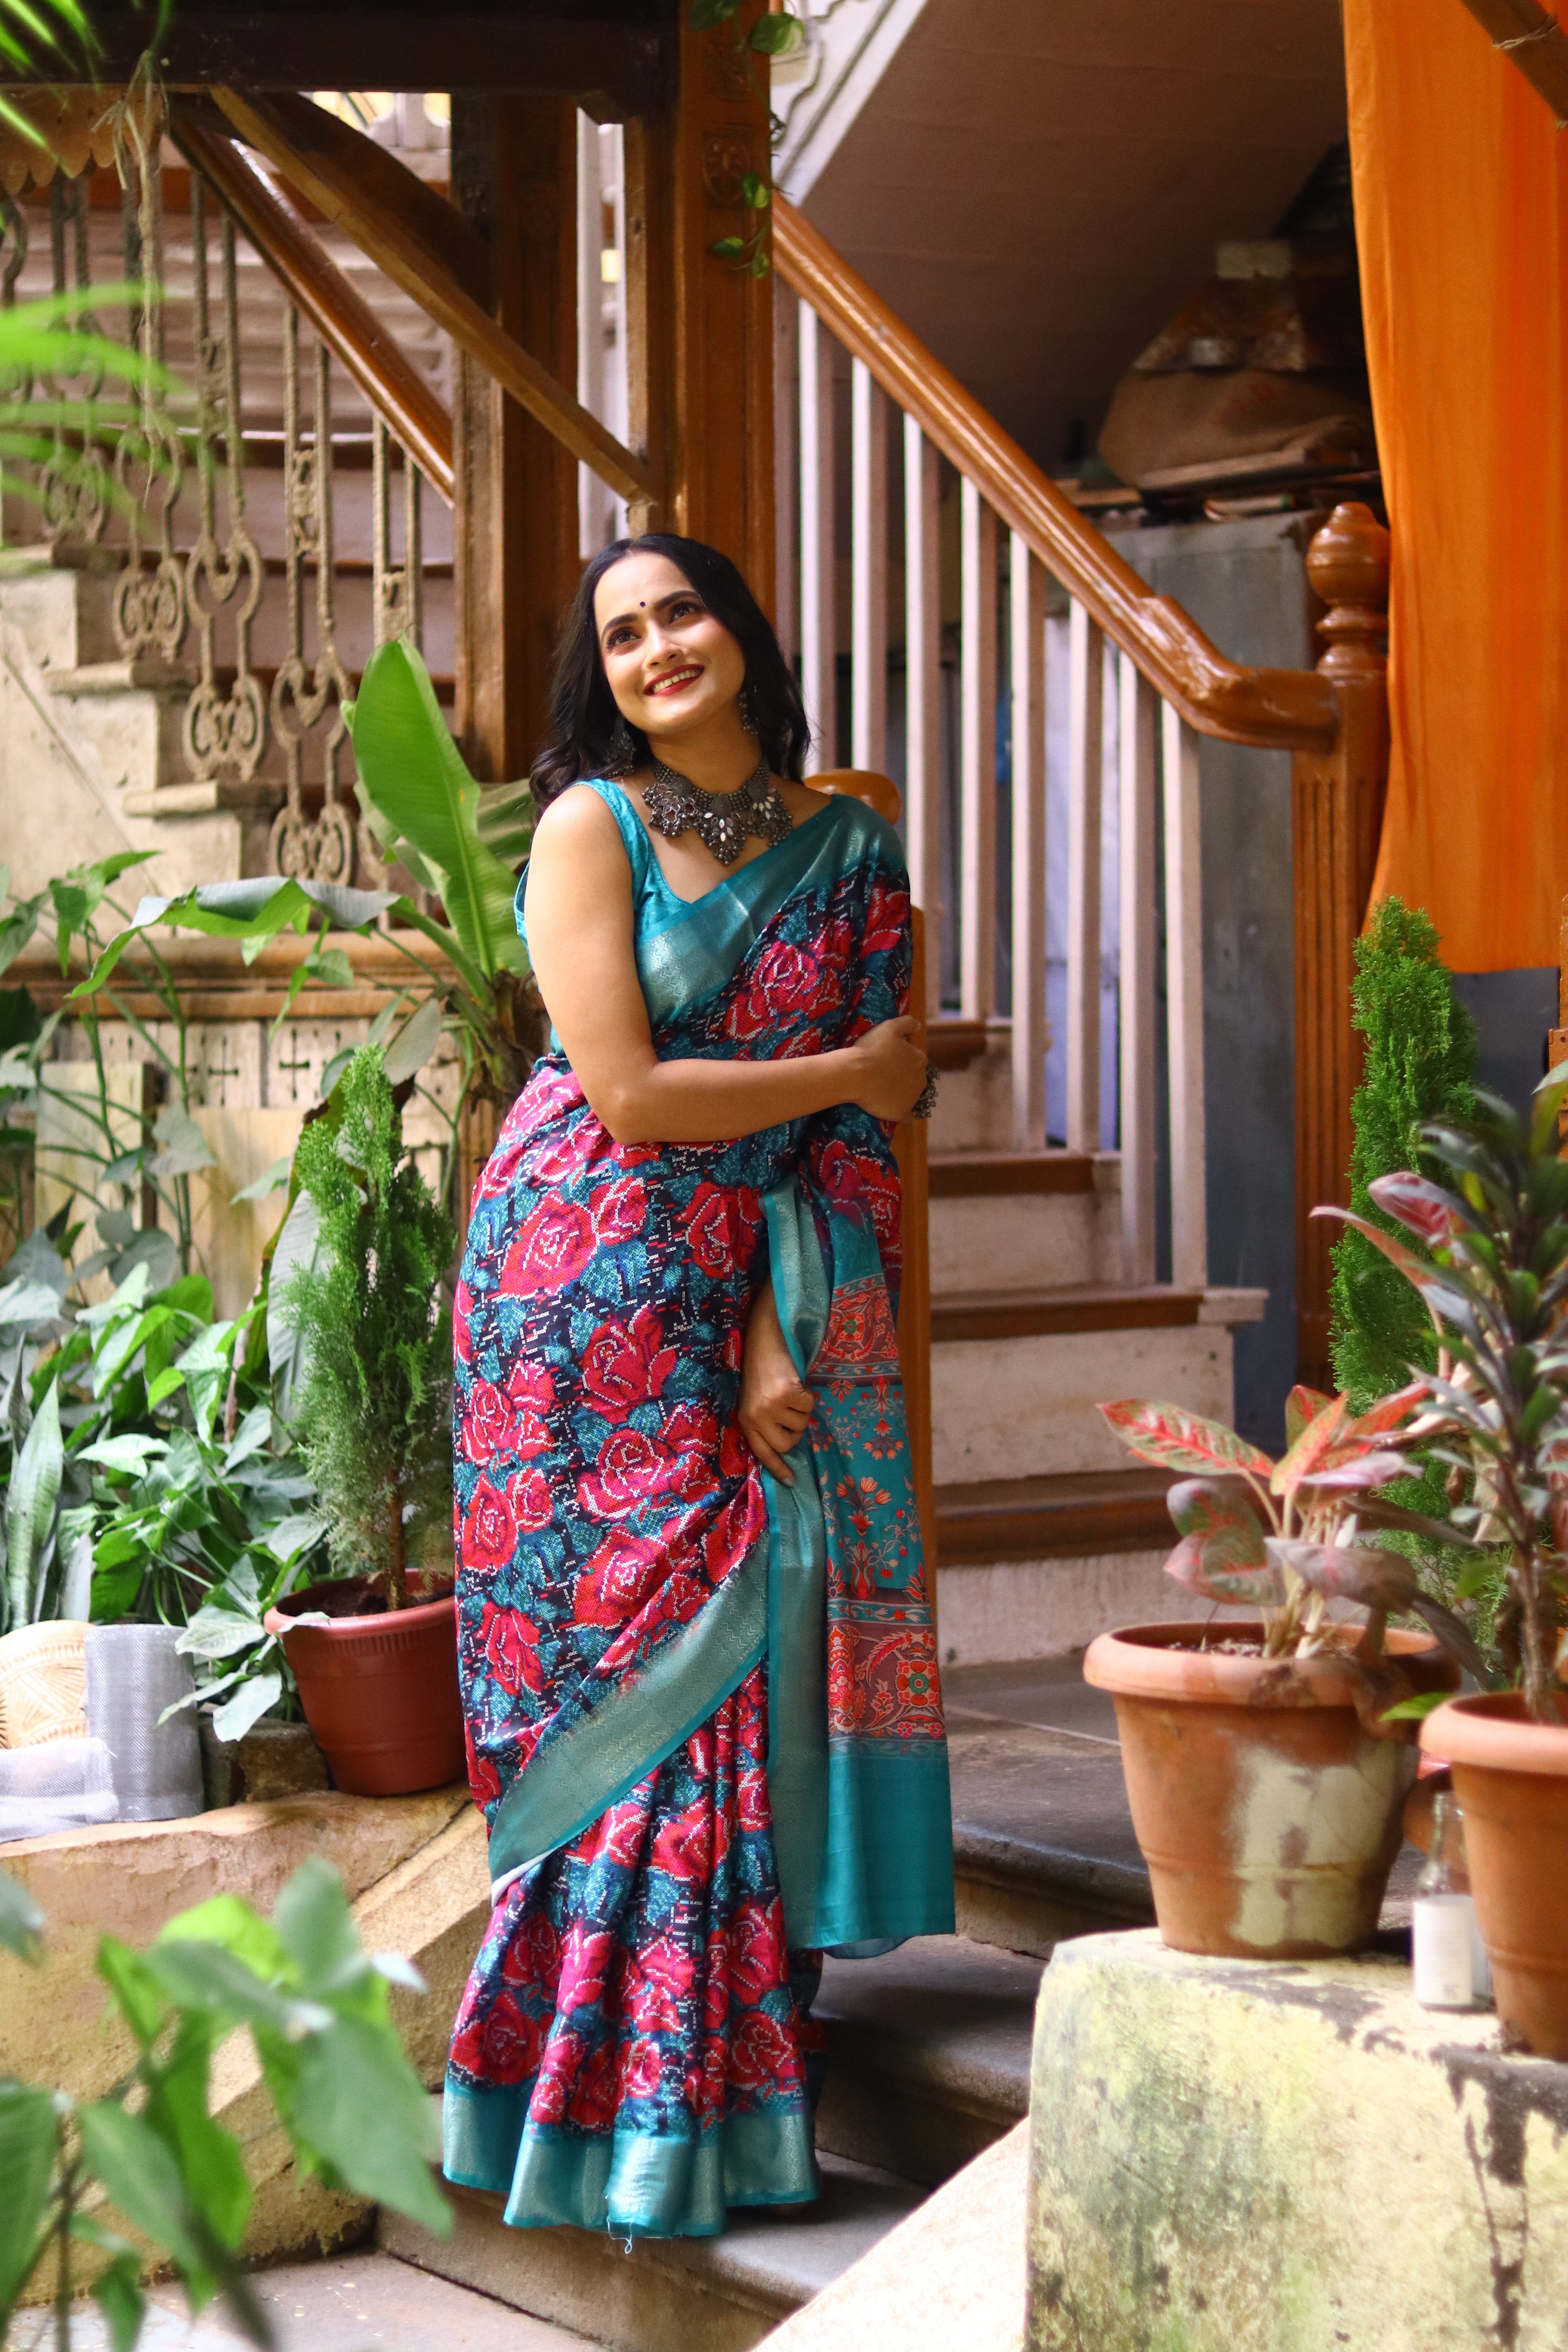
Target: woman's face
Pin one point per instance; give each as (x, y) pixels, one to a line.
(671, 665)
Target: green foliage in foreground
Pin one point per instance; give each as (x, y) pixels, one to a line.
(371, 1324)
(149, 2157)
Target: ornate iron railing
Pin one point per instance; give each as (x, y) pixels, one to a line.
(220, 507)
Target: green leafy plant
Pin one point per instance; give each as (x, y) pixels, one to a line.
(149, 2158)
(145, 1476)
(1286, 1537)
(459, 844)
(1420, 1065)
(1491, 1271)
(163, 1153)
(369, 1316)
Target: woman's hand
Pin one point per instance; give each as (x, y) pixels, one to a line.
(893, 1068)
(775, 1405)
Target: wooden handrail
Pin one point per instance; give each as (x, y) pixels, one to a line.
(1286, 710)
(324, 161)
(1534, 41)
(407, 405)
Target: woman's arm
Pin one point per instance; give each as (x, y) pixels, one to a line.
(581, 923)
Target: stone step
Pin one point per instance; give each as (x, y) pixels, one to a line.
(1017, 1375)
(928, 2054)
(1043, 1220)
(346, 2302)
(664, 2294)
(1060, 1517)
(1031, 1567)
(951, 2277)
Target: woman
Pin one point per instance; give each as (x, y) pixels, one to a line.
(698, 1664)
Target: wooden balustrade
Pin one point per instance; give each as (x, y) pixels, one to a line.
(1171, 688)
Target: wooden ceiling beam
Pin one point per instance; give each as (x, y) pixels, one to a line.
(613, 69)
(331, 165)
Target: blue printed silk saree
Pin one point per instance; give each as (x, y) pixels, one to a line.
(703, 1715)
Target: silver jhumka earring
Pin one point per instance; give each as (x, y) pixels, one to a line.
(621, 752)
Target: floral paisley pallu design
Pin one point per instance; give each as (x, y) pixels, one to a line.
(702, 1706)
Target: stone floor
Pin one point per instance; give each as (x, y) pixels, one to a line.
(365, 2302)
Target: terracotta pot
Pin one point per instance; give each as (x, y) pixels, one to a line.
(380, 1692)
(1269, 1818)
(1510, 1777)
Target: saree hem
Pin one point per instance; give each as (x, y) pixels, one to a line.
(627, 2182)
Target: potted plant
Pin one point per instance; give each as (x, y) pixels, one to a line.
(1495, 1277)
(374, 1651)
(1265, 1774)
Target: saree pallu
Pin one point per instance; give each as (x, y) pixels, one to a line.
(703, 1714)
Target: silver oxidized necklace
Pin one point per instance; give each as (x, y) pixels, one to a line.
(723, 822)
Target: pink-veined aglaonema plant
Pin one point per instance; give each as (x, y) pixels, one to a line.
(1495, 1282)
(1288, 1538)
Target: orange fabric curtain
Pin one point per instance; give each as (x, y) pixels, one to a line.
(1461, 197)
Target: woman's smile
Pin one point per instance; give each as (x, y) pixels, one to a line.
(675, 681)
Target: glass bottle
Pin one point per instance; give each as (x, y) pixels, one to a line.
(1450, 1965)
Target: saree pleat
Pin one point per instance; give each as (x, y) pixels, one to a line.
(703, 1714)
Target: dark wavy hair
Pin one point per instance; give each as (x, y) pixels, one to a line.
(582, 711)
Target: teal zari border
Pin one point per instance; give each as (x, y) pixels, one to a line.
(597, 1760)
(633, 2184)
(887, 1872)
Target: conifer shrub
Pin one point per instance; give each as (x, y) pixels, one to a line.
(1420, 1065)
(370, 1313)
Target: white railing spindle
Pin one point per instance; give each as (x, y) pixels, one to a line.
(977, 759)
(1185, 1000)
(922, 693)
(818, 616)
(1086, 653)
(869, 570)
(1139, 712)
(1027, 667)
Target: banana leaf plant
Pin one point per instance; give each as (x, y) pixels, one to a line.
(427, 815)
(1288, 1538)
(1489, 1258)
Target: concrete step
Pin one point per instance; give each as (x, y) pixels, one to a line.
(1031, 1567)
(952, 2277)
(364, 2301)
(1062, 1517)
(928, 2054)
(1042, 1219)
(1018, 1375)
(668, 2295)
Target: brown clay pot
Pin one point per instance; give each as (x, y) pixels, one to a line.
(1269, 1818)
(379, 1692)
(1510, 1777)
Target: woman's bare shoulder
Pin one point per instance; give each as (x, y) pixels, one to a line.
(578, 819)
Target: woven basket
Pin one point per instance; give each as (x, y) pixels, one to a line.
(43, 1684)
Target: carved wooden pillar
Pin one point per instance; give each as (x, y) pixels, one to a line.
(1338, 815)
(514, 174)
(699, 327)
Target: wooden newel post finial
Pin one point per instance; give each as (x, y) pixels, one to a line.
(1347, 565)
(1338, 796)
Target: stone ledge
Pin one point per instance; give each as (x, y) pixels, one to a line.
(1241, 2156)
(127, 1878)
(416, 1870)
